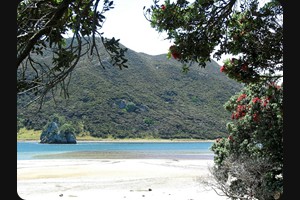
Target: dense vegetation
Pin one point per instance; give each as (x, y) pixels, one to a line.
(152, 98)
(248, 163)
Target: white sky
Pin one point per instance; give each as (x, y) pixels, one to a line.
(127, 23)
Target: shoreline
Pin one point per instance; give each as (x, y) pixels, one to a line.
(114, 179)
(129, 140)
(116, 175)
(124, 155)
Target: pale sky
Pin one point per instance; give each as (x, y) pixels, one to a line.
(127, 23)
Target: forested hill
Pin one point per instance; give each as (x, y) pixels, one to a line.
(150, 98)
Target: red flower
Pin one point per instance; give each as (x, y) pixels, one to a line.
(241, 97)
(237, 115)
(174, 52)
(255, 117)
(232, 116)
(223, 68)
(163, 7)
(175, 55)
(255, 99)
(240, 108)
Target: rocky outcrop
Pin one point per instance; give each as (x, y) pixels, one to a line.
(53, 135)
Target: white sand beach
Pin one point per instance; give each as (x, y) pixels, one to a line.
(114, 179)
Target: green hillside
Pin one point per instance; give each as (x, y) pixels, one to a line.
(151, 98)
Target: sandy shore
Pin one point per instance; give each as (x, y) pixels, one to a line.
(114, 179)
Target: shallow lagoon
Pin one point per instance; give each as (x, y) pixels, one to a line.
(115, 150)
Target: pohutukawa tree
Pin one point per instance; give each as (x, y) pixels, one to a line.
(42, 29)
(248, 164)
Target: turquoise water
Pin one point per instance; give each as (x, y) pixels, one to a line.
(170, 150)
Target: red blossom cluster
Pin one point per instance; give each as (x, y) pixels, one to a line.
(256, 100)
(175, 55)
(264, 102)
(223, 68)
(163, 7)
(240, 112)
(255, 117)
(174, 52)
(241, 97)
(240, 109)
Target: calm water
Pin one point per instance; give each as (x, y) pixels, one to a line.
(170, 150)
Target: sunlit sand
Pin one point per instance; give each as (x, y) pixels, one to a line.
(114, 179)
